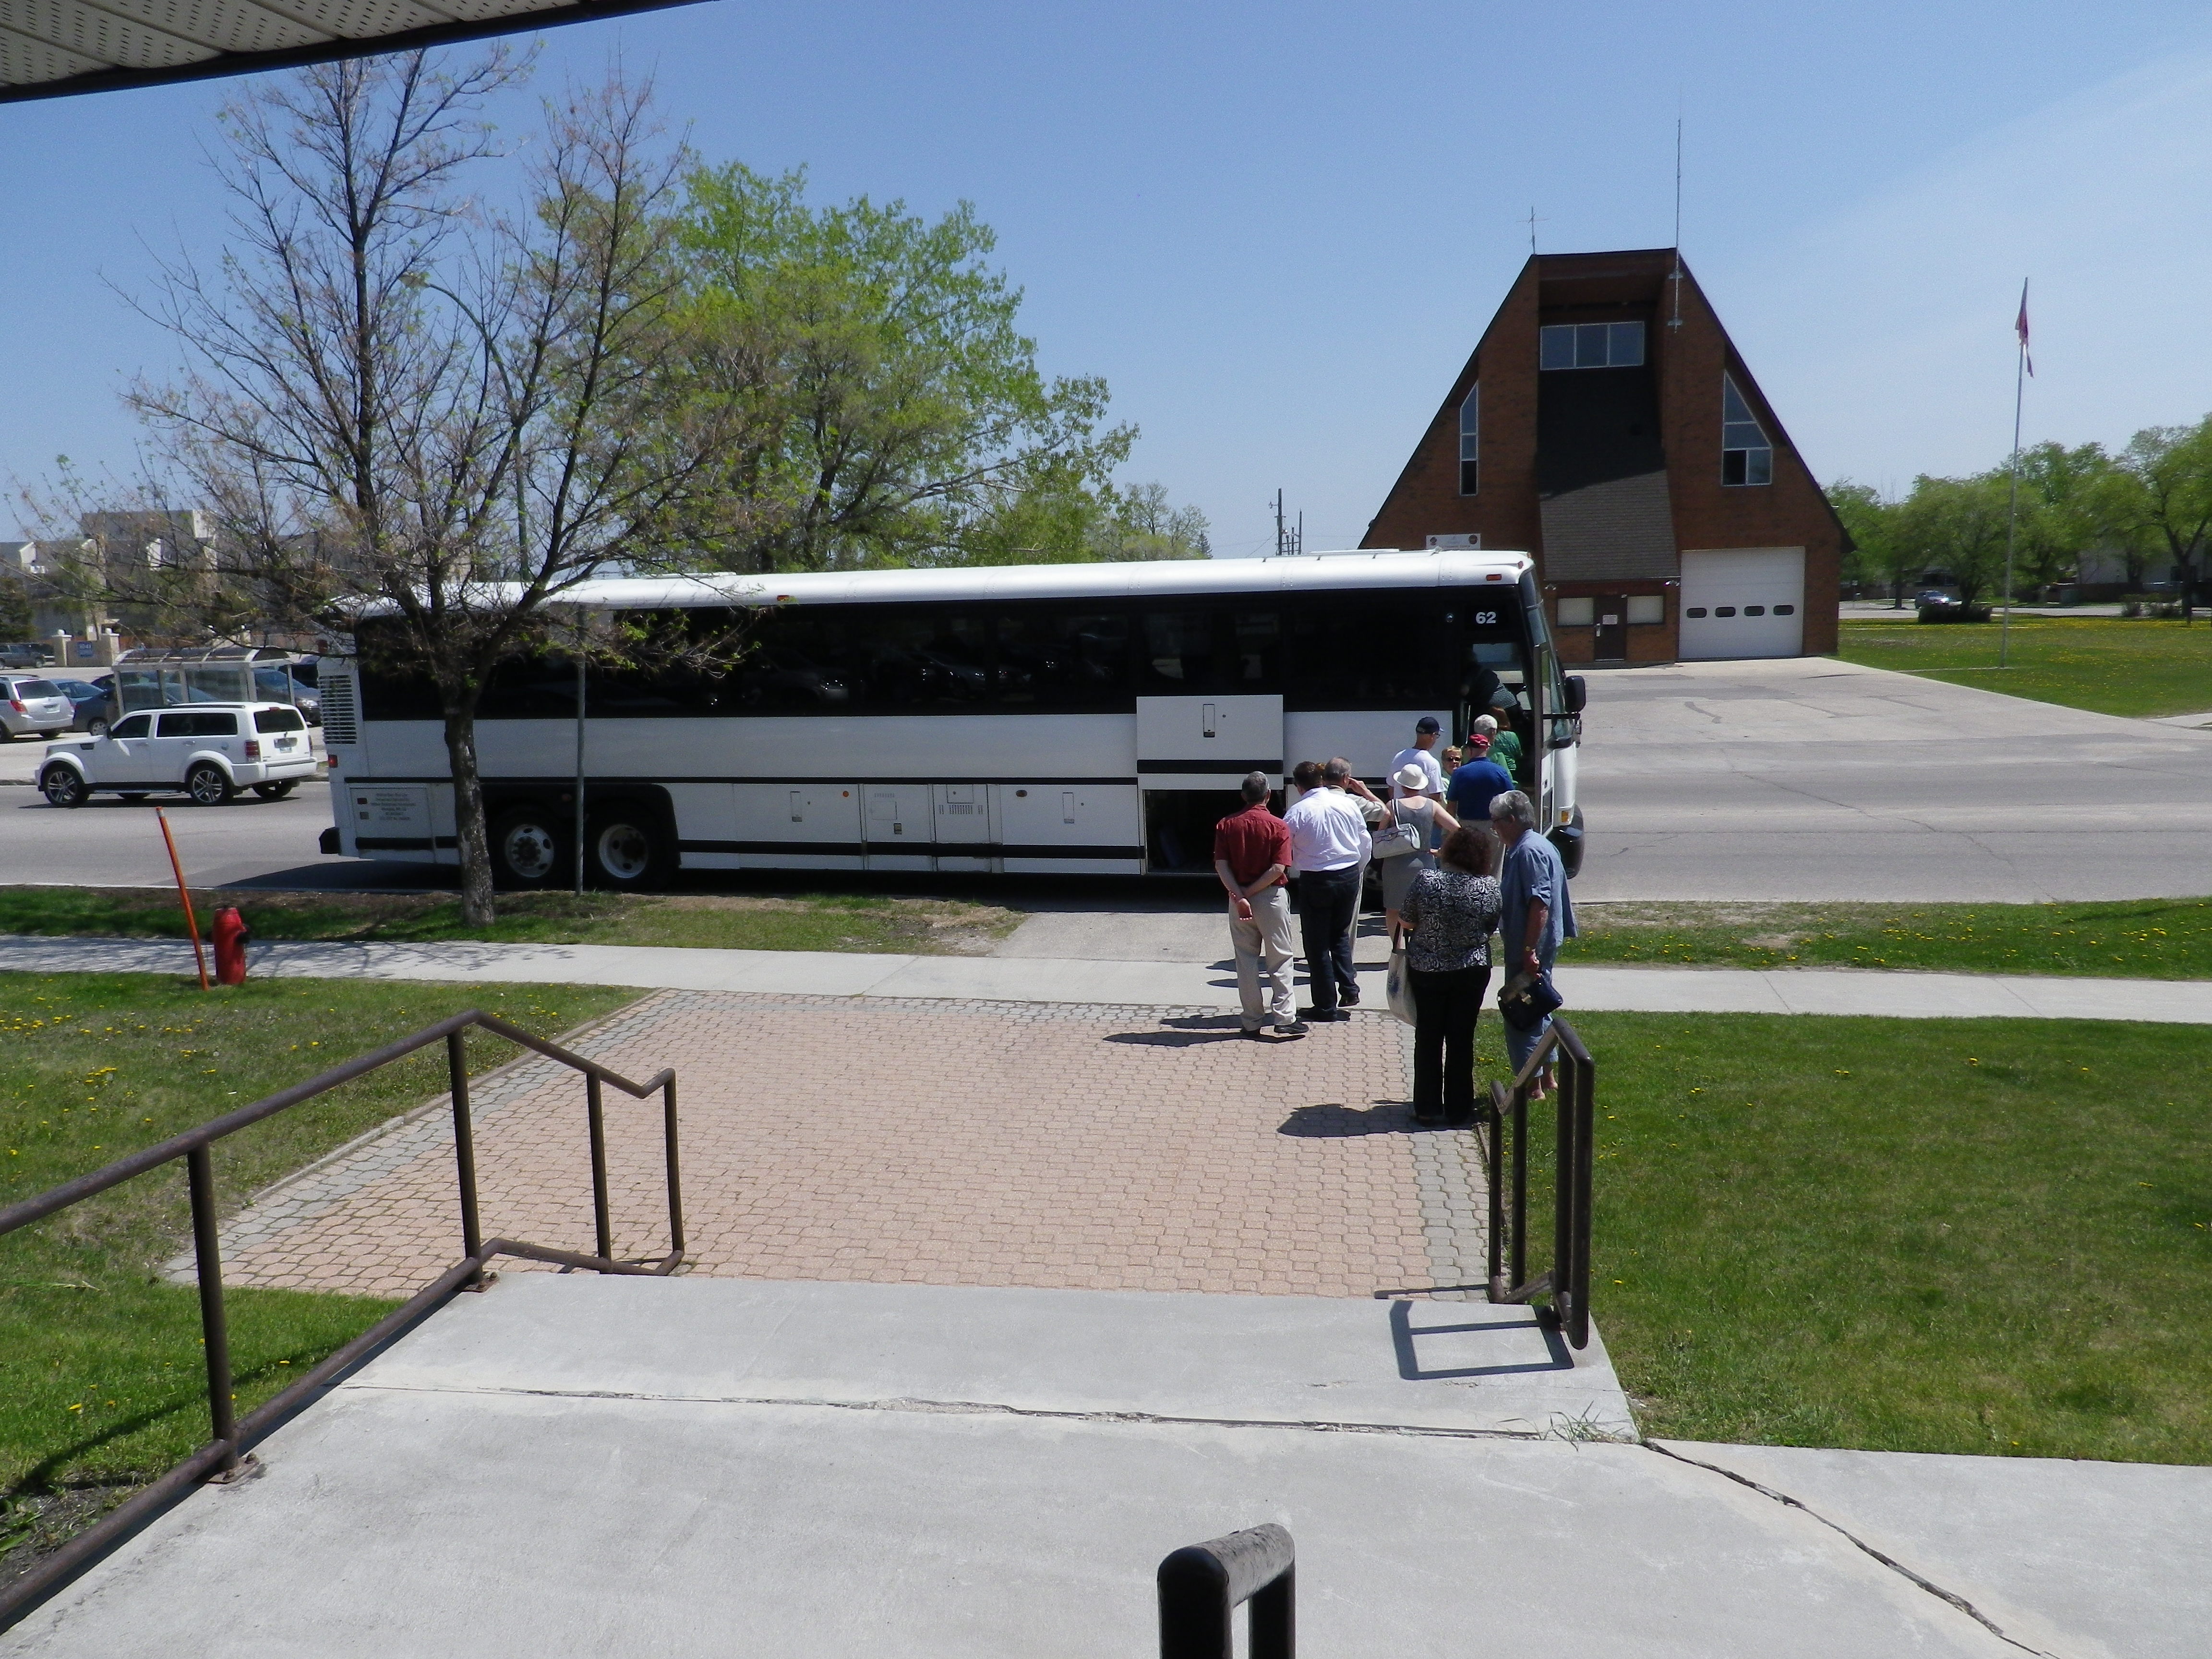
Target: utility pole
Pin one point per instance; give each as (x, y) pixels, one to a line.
(2012, 504)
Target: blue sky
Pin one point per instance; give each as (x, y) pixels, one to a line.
(1277, 230)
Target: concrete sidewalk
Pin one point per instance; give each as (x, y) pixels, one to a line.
(1895, 995)
(570, 1467)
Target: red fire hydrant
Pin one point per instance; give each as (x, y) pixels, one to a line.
(231, 938)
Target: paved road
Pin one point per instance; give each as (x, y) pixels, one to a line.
(1807, 779)
(1814, 778)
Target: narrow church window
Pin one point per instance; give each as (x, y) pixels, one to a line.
(1470, 440)
(1746, 458)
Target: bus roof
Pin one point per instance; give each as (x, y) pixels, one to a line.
(1290, 573)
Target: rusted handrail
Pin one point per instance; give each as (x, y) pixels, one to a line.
(1567, 1280)
(226, 1456)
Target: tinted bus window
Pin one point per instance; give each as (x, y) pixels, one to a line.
(1070, 661)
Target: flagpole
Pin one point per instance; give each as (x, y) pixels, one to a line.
(2012, 505)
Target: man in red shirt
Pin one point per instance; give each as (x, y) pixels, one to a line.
(1252, 856)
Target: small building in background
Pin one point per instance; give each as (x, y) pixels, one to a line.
(1606, 425)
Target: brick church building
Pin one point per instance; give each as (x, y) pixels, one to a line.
(1606, 426)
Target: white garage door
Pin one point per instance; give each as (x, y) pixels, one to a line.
(1743, 602)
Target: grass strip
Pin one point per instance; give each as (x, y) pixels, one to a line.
(2113, 665)
(1986, 1236)
(2134, 939)
(101, 1385)
(800, 921)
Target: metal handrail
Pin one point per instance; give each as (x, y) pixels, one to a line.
(227, 1454)
(1567, 1280)
(1201, 1584)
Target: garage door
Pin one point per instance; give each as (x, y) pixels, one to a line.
(1743, 602)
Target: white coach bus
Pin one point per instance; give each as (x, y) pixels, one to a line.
(1068, 718)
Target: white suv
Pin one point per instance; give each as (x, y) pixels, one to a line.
(210, 751)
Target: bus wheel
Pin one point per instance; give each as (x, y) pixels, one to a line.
(525, 848)
(624, 850)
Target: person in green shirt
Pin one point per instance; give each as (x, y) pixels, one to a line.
(1504, 745)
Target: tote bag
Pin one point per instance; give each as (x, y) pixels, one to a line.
(1398, 987)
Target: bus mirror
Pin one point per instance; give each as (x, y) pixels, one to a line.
(1577, 694)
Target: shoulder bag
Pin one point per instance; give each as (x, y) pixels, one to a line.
(1398, 838)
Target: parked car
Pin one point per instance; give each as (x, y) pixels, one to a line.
(281, 684)
(26, 655)
(95, 702)
(210, 751)
(32, 707)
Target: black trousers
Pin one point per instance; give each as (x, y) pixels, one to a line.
(1329, 903)
(1445, 1007)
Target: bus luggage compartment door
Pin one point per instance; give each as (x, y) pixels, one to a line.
(897, 826)
(962, 814)
(1208, 742)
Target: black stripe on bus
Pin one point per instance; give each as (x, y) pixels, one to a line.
(1026, 780)
(1237, 766)
(972, 849)
(404, 843)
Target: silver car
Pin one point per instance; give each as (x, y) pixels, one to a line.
(33, 707)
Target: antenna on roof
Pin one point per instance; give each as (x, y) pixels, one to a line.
(1533, 223)
(1675, 322)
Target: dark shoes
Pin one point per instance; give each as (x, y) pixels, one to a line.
(1348, 997)
(1282, 1031)
(1291, 1028)
(1323, 1016)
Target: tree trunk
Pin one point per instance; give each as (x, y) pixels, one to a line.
(472, 843)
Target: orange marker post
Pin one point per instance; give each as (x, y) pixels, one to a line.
(184, 898)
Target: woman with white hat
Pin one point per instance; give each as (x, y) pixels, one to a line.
(1419, 819)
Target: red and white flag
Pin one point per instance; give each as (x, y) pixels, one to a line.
(2019, 327)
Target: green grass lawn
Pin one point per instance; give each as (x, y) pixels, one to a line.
(2136, 938)
(800, 921)
(1938, 1236)
(101, 1383)
(2113, 665)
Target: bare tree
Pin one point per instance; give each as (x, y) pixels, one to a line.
(410, 413)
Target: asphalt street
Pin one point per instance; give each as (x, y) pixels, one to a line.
(1814, 779)
(1805, 779)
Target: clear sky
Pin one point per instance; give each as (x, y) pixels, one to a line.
(1278, 230)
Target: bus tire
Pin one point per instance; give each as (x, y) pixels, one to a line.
(527, 849)
(625, 849)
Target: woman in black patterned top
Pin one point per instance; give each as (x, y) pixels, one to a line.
(1451, 912)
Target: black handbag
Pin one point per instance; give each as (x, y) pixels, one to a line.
(1524, 1002)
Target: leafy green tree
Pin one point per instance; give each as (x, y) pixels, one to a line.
(1872, 525)
(2167, 495)
(2069, 506)
(1957, 525)
(15, 608)
(899, 415)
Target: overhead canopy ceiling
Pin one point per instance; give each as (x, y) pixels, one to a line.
(50, 48)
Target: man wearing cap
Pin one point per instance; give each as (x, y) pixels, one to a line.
(1423, 754)
(1477, 781)
(1252, 856)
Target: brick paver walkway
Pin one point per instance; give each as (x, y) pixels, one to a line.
(934, 1142)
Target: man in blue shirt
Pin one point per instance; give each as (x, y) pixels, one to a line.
(1479, 780)
(1534, 911)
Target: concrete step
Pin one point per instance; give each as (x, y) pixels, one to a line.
(568, 1466)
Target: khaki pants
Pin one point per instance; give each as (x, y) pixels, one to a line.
(1264, 951)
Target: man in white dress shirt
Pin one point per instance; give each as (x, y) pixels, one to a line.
(1329, 849)
(1423, 754)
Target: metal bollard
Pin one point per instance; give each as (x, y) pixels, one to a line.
(1201, 1584)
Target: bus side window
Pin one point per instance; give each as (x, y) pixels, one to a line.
(1178, 650)
(1258, 657)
